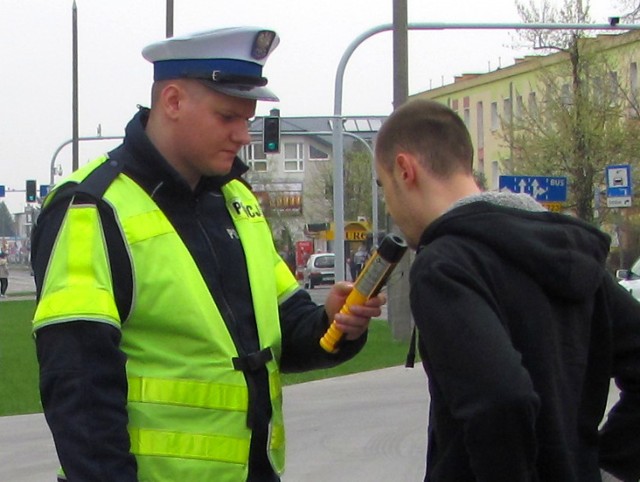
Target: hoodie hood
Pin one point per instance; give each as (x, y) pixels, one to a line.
(565, 255)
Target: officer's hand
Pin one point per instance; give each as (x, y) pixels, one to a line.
(355, 324)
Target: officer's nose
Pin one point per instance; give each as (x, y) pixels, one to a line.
(241, 134)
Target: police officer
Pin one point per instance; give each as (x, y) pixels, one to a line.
(165, 314)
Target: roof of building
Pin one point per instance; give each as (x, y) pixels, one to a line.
(365, 127)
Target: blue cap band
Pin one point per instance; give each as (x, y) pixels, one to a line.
(203, 68)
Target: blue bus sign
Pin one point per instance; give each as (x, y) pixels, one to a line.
(546, 189)
(619, 186)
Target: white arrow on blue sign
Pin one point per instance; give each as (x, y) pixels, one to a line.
(541, 188)
(1, 191)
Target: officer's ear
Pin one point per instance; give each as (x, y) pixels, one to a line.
(171, 98)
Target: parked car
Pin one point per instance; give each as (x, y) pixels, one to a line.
(630, 279)
(320, 269)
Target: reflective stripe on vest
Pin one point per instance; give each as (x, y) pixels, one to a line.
(185, 397)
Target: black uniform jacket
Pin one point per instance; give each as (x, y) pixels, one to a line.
(82, 370)
(521, 330)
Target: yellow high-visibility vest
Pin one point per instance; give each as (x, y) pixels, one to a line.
(187, 404)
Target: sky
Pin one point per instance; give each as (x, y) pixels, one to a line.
(36, 63)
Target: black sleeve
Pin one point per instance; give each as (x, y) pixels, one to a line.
(620, 436)
(83, 384)
(303, 323)
(83, 388)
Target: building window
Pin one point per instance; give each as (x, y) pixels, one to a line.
(495, 120)
(565, 94)
(506, 105)
(480, 125)
(495, 174)
(254, 156)
(533, 104)
(467, 117)
(633, 89)
(316, 154)
(519, 107)
(293, 157)
(613, 86)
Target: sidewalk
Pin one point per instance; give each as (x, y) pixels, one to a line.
(369, 426)
(21, 284)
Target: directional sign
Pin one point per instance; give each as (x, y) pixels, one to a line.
(619, 186)
(1, 191)
(541, 188)
(44, 190)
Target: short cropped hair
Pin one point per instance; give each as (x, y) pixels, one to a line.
(432, 132)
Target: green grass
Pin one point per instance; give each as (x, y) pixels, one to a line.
(19, 370)
(18, 365)
(381, 351)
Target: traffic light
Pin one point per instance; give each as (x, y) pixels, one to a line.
(271, 134)
(31, 191)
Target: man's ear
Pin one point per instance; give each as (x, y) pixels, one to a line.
(407, 168)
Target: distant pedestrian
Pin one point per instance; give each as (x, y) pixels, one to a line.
(360, 258)
(4, 274)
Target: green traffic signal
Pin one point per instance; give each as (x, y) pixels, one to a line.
(271, 134)
(30, 188)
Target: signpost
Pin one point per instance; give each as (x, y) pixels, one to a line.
(544, 189)
(619, 186)
(44, 190)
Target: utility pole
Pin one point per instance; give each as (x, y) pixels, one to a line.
(169, 18)
(398, 289)
(74, 102)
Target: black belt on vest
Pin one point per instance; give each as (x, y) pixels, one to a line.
(253, 361)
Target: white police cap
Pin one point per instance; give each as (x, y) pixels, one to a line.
(228, 60)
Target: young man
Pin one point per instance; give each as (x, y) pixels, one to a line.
(520, 326)
(165, 314)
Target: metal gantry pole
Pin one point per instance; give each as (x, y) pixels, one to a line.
(338, 154)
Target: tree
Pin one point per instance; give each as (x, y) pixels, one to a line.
(6, 222)
(358, 179)
(580, 124)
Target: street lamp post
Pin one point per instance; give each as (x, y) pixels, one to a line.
(52, 169)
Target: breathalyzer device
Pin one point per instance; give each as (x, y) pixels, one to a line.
(371, 280)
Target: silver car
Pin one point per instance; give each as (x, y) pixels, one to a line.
(320, 269)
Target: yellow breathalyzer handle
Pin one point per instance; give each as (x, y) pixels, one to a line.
(371, 280)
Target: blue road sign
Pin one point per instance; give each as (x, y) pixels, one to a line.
(619, 180)
(541, 188)
(44, 190)
(619, 186)
(1, 191)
